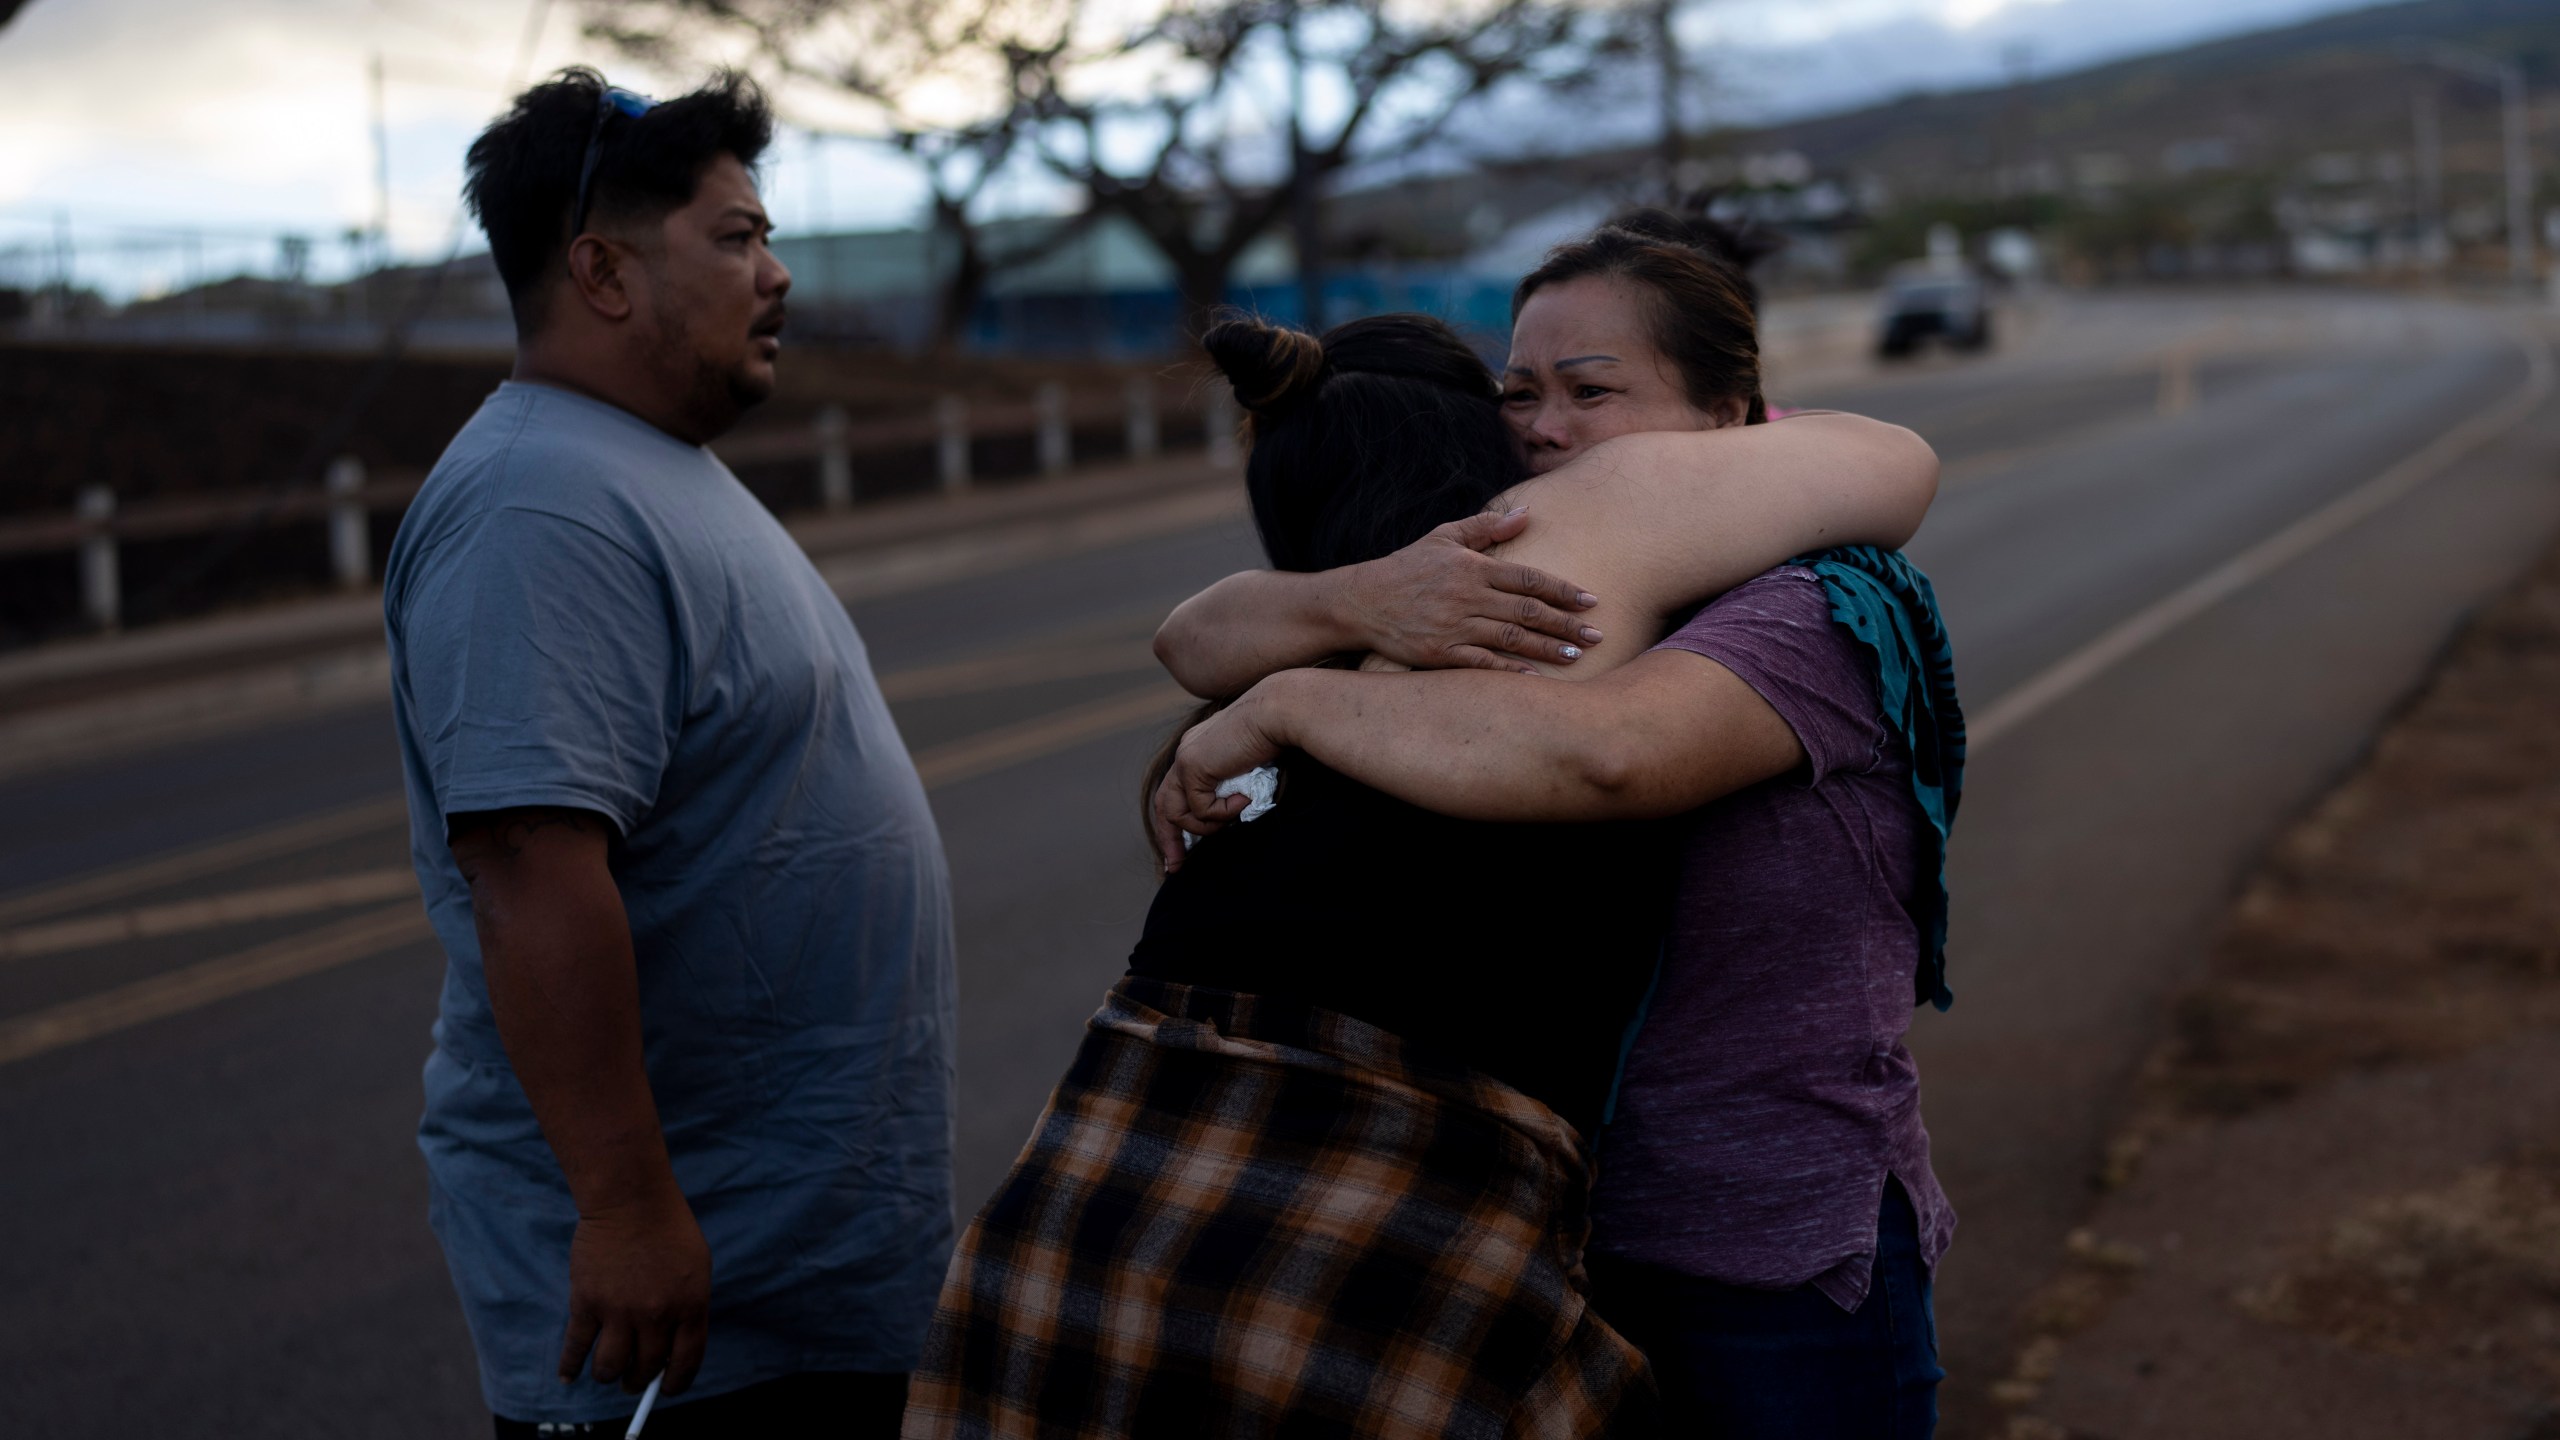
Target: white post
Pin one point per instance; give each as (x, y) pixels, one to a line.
(101, 585)
(835, 459)
(1050, 401)
(951, 450)
(1225, 451)
(1142, 418)
(350, 543)
(2177, 382)
(2430, 148)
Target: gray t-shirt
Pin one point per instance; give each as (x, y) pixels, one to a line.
(1769, 1096)
(587, 612)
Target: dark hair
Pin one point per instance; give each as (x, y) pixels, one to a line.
(1705, 312)
(521, 175)
(1364, 440)
(1361, 443)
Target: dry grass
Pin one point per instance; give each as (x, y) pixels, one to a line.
(2466, 1275)
(2414, 915)
(2416, 912)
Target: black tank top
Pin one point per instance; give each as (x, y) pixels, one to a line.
(1520, 950)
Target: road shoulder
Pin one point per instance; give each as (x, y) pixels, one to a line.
(2334, 1209)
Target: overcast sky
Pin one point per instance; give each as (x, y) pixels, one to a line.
(240, 119)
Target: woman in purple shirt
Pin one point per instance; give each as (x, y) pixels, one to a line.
(1766, 1221)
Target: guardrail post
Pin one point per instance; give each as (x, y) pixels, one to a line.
(101, 583)
(1226, 451)
(1050, 403)
(835, 459)
(350, 543)
(1142, 416)
(951, 449)
(2177, 382)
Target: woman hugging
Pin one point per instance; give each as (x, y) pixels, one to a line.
(1514, 1046)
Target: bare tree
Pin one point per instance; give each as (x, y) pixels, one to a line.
(948, 85)
(1252, 107)
(1203, 124)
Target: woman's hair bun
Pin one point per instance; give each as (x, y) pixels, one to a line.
(1740, 246)
(1271, 366)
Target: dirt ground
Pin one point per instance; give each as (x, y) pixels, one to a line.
(2334, 1208)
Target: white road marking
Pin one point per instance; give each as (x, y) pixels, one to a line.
(2267, 556)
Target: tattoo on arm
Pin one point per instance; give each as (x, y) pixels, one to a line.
(478, 838)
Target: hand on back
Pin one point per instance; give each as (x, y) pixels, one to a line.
(1441, 603)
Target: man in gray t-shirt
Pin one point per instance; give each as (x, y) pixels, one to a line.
(689, 1109)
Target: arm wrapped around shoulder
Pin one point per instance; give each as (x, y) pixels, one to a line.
(1663, 520)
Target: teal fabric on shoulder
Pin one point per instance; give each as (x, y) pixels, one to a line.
(1887, 603)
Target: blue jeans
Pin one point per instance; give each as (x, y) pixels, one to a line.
(1743, 1364)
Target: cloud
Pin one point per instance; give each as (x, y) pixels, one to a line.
(252, 115)
(1770, 60)
(242, 112)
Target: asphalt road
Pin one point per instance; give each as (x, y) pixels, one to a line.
(212, 1210)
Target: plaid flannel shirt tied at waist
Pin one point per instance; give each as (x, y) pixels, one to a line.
(1239, 1216)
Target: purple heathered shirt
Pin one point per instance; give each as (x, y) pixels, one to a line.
(1769, 1095)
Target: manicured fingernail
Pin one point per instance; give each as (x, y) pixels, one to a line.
(1588, 599)
(1571, 652)
(1590, 636)
(1515, 512)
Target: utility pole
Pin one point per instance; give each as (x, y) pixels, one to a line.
(381, 166)
(2019, 60)
(62, 266)
(2429, 142)
(822, 230)
(195, 281)
(1666, 53)
(2519, 176)
(1306, 207)
(2508, 76)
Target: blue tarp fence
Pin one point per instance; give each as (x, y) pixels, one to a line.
(1139, 323)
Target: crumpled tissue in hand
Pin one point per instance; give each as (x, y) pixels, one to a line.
(1261, 788)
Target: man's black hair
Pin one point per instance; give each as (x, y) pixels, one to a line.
(521, 175)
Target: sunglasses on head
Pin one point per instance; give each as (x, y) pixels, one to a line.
(611, 99)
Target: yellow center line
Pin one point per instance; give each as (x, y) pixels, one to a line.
(376, 931)
(229, 853)
(1020, 667)
(1011, 745)
(941, 765)
(1066, 655)
(272, 902)
(201, 984)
